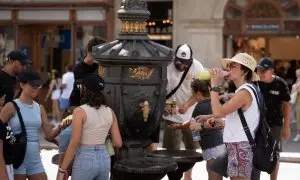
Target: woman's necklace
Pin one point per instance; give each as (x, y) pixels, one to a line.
(28, 105)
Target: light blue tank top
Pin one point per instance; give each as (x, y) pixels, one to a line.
(32, 120)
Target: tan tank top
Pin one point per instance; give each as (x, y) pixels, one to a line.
(97, 125)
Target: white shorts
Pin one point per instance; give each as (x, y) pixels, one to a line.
(55, 95)
(10, 172)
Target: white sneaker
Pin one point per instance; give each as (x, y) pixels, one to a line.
(297, 138)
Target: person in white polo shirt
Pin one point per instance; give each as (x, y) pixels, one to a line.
(185, 102)
(67, 87)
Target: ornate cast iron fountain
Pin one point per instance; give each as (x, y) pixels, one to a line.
(135, 71)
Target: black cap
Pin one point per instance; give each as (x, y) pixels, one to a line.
(31, 77)
(266, 63)
(19, 56)
(93, 82)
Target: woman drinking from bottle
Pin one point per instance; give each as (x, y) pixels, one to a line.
(241, 72)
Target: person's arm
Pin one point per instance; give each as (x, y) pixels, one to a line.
(64, 82)
(286, 109)
(203, 118)
(286, 106)
(189, 103)
(7, 112)
(115, 132)
(88, 59)
(79, 117)
(50, 131)
(3, 173)
(240, 99)
(85, 67)
(51, 86)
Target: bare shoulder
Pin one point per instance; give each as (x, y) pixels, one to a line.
(7, 112)
(243, 93)
(79, 111)
(9, 107)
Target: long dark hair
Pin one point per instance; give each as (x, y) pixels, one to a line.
(93, 99)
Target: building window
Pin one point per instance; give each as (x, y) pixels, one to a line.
(160, 24)
(292, 12)
(7, 42)
(84, 34)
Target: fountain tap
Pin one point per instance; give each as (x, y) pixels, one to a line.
(146, 110)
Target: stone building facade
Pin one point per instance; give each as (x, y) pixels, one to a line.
(200, 27)
(202, 24)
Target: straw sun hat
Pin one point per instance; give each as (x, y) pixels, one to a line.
(245, 60)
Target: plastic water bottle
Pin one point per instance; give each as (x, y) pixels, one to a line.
(195, 134)
(205, 75)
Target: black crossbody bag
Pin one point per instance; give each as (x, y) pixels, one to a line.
(18, 146)
(180, 82)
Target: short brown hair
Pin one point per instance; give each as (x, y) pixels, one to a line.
(94, 42)
(201, 86)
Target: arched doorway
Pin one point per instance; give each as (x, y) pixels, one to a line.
(264, 28)
(251, 24)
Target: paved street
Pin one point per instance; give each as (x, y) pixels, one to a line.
(288, 171)
(288, 146)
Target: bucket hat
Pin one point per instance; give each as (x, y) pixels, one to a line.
(245, 60)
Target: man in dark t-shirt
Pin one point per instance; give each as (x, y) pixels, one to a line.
(277, 96)
(16, 61)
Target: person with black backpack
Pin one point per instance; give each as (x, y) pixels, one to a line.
(277, 96)
(21, 121)
(240, 150)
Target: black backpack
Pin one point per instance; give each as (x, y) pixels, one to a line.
(265, 150)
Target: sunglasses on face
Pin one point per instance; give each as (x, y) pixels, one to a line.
(36, 86)
(231, 65)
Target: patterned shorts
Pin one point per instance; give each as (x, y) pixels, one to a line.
(213, 153)
(240, 157)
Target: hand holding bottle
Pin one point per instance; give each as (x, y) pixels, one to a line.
(216, 76)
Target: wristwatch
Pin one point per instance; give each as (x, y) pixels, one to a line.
(215, 89)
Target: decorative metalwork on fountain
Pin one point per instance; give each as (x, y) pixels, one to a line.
(133, 15)
(134, 69)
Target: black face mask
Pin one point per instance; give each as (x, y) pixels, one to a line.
(179, 62)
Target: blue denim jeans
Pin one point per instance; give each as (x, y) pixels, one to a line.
(64, 139)
(91, 163)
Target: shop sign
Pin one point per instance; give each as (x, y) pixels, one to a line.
(271, 27)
